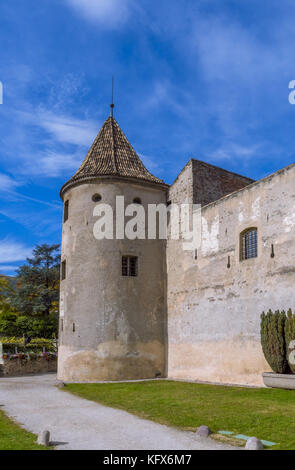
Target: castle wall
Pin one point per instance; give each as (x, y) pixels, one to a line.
(120, 322)
(214, 311)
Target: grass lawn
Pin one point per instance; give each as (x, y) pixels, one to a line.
(265, 413)
(12, 437)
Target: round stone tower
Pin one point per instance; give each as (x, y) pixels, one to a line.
(112, 291)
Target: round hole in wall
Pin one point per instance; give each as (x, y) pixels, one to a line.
(137, 200)
(96, 197)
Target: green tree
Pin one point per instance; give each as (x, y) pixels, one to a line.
(6, 292)
(28, 327)
(37, 288)
(8, 324)
(273, 340)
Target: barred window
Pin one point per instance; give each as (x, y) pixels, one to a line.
(66, 211)
(248, 244)
(63, 270)
(129, 266)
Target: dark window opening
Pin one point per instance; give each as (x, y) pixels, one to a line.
(74, 327)
(248, 247)
(63, 270)
(137, 200)
(129, 266)
(66, 211)
(96, 197)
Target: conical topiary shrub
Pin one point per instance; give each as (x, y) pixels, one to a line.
(290, 339)
(273, 340)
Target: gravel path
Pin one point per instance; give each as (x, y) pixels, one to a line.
(76, 423)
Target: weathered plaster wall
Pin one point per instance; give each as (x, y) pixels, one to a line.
(120, 322)
(214, 311)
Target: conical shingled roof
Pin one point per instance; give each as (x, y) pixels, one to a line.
(111, 155)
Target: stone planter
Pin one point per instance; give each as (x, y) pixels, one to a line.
(271, 379)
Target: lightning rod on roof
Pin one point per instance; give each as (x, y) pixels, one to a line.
(112, 104)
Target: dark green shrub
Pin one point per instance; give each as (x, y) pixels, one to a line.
(11, 348)
(273, 340)
(30, 327)
(7, 324)
(290, 339)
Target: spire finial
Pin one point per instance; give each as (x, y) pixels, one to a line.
(112, 104)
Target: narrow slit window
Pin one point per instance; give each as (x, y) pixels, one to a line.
(74, 327)
(248, 244)
(129, 266)
(63, 270)
(66, 211)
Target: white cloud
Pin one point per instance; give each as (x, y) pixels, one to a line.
(57, 134)
(8, 185)
(158, 95)
(163, 93)
(64, 129)
(229, 51)
(109, 13)
(11, 251)
(232, 151)
(41, 222)
(6, 182)
(69, 130)
(53, 164)
(243, 70)
(150, 162)
(4, 268)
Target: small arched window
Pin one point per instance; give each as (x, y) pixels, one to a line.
(96, 197)
(248, 244)
(137, 200)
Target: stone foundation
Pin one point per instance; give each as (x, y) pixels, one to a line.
(18, 367)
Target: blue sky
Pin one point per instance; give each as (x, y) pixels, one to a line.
(204, 79)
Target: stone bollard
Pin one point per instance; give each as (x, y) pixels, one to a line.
(59, 384)
(44, 438)
(254, 444)
(203, 431)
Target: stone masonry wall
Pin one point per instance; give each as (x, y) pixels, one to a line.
(202, 183)
(19, 367)
(211, 183)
